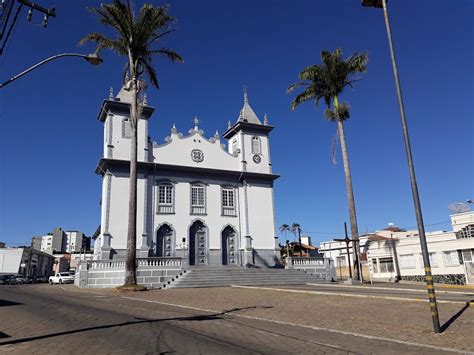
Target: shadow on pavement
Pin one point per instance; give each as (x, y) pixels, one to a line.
(453, 318)
(138, 321)
(5, 303)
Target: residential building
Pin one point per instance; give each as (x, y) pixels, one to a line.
(58, 242)
(197, 198)
(25, 262)
(76, 242)
(394, 254)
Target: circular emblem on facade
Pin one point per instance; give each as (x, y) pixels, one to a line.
(257, 159)
(197, 155)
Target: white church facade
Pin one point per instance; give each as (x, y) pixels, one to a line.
(207, 200)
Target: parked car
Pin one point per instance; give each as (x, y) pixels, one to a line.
(31, 279)
(21, 279)
(61, 278)
(41, 279)
(8, 280)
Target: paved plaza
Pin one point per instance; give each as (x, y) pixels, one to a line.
(44, 319)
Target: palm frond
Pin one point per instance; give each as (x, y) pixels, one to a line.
(328, 79)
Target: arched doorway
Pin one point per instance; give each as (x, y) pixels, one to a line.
(229, 246)
(164, 241)
(198, 244)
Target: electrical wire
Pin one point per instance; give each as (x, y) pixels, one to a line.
(11, 28)
(6, 19)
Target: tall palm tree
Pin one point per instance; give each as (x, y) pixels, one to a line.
(327, 81)
(296, 230)
(134, 37)
(285, 228)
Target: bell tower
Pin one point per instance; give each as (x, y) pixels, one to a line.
(249, 139)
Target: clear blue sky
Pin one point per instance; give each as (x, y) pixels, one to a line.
(50, 140)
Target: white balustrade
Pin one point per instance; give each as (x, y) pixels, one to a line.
(141, 262)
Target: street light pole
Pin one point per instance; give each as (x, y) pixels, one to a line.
(93, 59)
(411, 169)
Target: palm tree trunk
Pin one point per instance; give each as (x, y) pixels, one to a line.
(130, 264)
(350, 192)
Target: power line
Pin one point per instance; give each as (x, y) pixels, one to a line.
(11, 28)
(340, 232)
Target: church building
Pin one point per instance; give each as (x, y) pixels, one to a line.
(207, 200)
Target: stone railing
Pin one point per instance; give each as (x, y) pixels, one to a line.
(302, 261)
(160, 262)
(321, 268)
(106, 264)
(141, 262)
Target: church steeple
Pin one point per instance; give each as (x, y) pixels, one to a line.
(247, 114)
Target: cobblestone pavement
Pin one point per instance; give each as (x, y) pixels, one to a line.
(48, 319)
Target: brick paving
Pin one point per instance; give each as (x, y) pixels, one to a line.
(66, 320)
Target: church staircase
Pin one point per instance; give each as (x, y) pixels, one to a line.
(222, 277)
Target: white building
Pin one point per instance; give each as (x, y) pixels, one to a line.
(75, 242)
(197, 198)
(393, 254)
(25, 262)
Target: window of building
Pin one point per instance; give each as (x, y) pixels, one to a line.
(466, 232)
(467, 255)
(375, 268)
(126, 128)
(228, 201)
(256, 146)
(165, 198)
(451, 258)
(234, 146)
(198, 199)
(433, 259)
(407, 261)
(386, 265)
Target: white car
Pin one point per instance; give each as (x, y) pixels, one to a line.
(61, 278)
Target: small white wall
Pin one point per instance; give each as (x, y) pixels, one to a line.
(10, 260)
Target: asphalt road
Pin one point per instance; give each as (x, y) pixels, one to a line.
(61, 320)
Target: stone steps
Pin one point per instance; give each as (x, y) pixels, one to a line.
(194, 278)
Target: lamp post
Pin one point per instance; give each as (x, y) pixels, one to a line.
(411, 168)
(93, 59)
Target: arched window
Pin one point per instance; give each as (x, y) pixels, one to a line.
(198, 198)
(256, 146)
(165, 198)
(234, 146)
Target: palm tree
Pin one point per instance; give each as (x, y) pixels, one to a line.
(327, 81)
(134, 38)
(285, 228)
(296, 229)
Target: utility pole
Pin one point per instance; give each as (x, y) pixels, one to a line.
(411, 168)
(355, 244)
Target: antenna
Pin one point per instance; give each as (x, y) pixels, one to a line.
(459, 207)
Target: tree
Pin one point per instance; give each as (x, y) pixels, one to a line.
(296, 230)
(134, 38)
(285, 228)
(327, 81)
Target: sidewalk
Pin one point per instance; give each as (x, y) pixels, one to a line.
(414, 285)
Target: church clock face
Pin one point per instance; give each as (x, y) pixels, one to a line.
(197, 155)
(257, 159)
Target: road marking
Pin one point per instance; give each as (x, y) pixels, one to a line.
(309, 292)
(335, 331)
(389, 288)
(62, 288)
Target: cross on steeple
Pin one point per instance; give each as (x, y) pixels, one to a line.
(196, 123)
